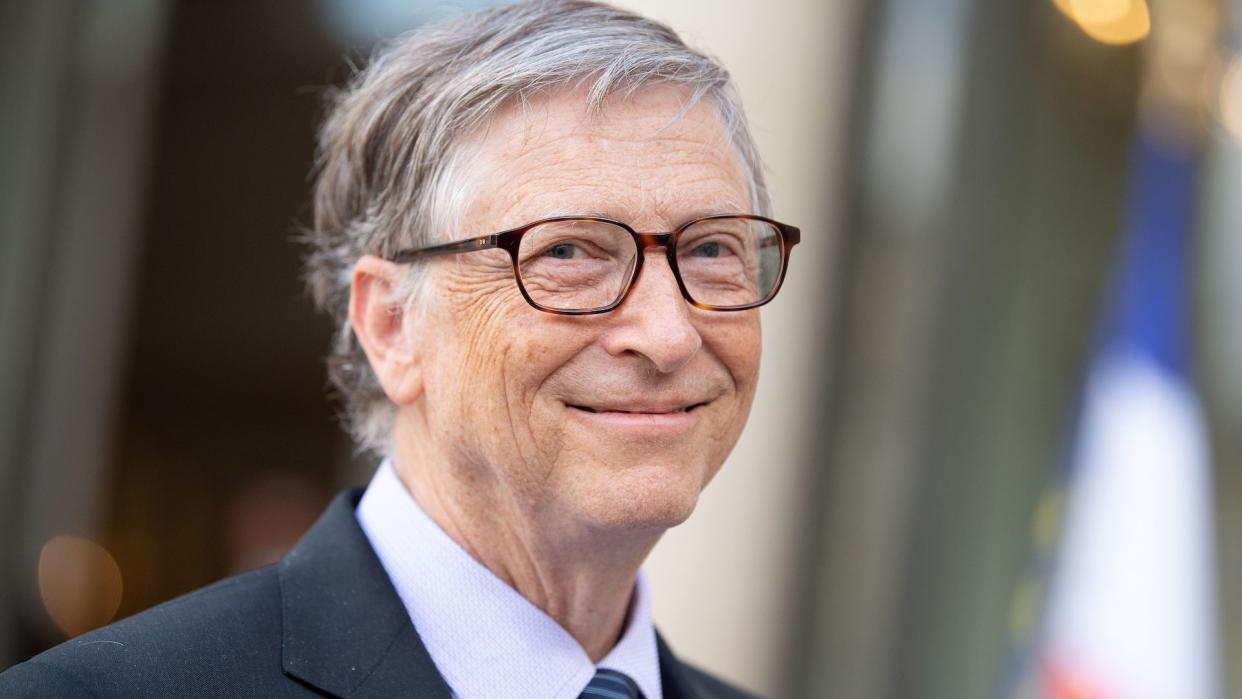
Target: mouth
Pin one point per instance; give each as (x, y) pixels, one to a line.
(639, 410)
(642, 419)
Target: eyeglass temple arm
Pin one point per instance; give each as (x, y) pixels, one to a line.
(453, 248)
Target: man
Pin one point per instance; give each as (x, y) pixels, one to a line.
(550, 385)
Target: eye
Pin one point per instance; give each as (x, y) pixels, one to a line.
(709, 249)
(706, 250)
(562, 251)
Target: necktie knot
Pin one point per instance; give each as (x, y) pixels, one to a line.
(610, 684)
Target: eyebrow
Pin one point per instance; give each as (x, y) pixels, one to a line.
(597, 213)
(600, 213)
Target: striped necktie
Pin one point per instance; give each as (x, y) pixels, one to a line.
(610, 684)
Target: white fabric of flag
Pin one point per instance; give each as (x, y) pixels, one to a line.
(1131, 609)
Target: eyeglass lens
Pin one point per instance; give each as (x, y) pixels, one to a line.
(581, 265)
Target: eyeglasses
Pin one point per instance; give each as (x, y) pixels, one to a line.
(582, 265)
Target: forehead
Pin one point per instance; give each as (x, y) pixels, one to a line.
(644, 158)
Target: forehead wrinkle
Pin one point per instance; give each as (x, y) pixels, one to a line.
(711, 187)
(673, 149)
(549, 163)
(671, 205)
(600, 130)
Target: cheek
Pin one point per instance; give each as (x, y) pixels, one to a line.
(465, 348)
(492, 363)
(738, 346)
(475, 305)
(542, 352)
(738, 343)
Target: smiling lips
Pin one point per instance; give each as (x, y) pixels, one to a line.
(642, 409)
(642, 420)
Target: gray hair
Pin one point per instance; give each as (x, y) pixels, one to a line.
(390, 170)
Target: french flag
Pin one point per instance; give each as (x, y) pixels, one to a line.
(1131, 608)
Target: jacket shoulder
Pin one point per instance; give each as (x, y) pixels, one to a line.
(228, 632)
(34, 678)
(709, 685)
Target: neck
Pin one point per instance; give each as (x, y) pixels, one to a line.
(581, 576)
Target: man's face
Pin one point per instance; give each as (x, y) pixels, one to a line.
(616, 420)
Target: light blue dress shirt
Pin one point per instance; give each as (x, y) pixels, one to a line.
(485, 638)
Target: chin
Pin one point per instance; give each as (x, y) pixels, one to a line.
(651, 495)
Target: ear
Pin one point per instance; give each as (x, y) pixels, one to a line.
(381, 325)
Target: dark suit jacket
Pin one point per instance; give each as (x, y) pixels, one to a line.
(324, 621)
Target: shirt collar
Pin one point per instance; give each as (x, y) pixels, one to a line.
(484, 637)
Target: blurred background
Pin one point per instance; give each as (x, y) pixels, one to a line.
(995, 195)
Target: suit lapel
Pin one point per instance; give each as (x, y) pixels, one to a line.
(344, 630)
(675, 682)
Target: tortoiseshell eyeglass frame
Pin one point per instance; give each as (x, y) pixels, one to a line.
(510, 241)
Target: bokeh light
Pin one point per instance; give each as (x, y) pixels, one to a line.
(1101, 11)
(80, 583)
(1109, 21)
(1231, 98)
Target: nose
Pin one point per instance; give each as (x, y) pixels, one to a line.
(654, 321)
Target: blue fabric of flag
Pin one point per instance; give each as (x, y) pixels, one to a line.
(1150, 299)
